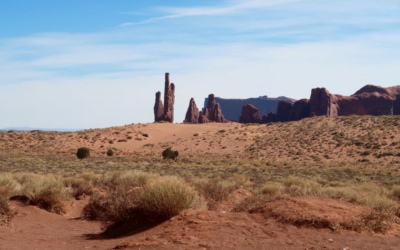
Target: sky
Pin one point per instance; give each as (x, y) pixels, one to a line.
(82, 64)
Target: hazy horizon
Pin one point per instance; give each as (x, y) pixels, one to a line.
(97, 63)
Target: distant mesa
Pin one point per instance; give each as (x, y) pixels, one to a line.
(165, 112)
(369, 100)
(231, 108)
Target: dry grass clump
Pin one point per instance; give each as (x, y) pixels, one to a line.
(272, 189)
(395, 193)
(296, 186)
(214, 191)
(367, 194)
(46, 192)
(128, 179)
(136, 196)
(118, 205)
(168, 196)
(6, 213)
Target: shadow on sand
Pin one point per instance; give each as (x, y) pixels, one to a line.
(126, 228)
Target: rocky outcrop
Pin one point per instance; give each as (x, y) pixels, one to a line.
(323, 103)
(192, 114)
(366, 104)
(250, 114)
(369, 100)
(212, 111)
(232, 107)
(270, 117)
(169, 100)
(203, 118)
(284, 111)
(300, 110)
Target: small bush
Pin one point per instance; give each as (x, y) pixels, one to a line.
(158, 198)
(168, 196)
(110, 152)
(45, 192)
(214, 192)
(83, 153)
(120, 204)
(78, 187)
(170, 154)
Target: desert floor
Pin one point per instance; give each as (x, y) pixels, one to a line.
(340, 150)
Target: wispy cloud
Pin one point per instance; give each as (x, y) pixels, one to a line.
(173, 13)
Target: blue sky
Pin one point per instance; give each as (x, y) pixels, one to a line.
(98, 63)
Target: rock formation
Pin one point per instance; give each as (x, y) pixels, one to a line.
(232, 107)
(158, 107)
(213, 110)
(250, 114)
(369, 100)
(323, 103)
(169, 100)
(284, 111)
(300, 110)
(192, 114)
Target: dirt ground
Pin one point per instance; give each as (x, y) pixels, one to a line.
(33, 228)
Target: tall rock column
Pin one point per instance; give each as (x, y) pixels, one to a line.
(169, 100)
(158, 107)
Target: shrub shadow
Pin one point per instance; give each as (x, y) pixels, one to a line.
(126, 228)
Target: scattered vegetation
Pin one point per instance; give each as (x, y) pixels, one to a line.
(110, 152)
(170, 154)
(83, 153)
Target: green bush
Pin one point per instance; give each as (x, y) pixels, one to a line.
(170, 154)
(110, 152)
(83, 153)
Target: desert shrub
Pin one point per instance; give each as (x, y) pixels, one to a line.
(214, 191)
(367, 194)
(170, 154)
(128, 179)
(168, 196)
(83, 153)
(119, 204)
(110, 152)
(297, 186)
(6, 213)
(395, 192)
(159, 198)
(272, 189)
(78, 187)
(45, 192)
(8, 185)
(145, 135)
